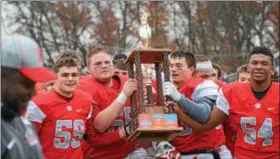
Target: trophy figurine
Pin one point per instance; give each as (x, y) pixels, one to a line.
(149, 120)
(145, 30)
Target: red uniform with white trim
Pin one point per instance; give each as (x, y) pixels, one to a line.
(256, 122)
(60, 122)
(108, 144)
(189, 140)
(220, 130)
(230, 136)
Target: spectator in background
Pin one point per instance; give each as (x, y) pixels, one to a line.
(243, 74)
(119, 57)
(120, 68)
(119, 65)
(217, 72)
(21, 68)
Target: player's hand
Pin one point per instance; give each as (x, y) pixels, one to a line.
(169, 89)
(175, 106)
(129, 87)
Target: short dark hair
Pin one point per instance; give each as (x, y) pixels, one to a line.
(262, 50)
(65, 61)
(70, 53)
(120, 65)
(189, 57)
(119, 57)
(218, 68)
(95, 49)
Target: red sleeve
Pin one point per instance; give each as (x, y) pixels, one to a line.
(95, 110)
(38, 107)
(96, 139)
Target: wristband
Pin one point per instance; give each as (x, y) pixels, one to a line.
(122, 98)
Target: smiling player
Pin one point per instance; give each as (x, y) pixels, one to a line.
(60, 115)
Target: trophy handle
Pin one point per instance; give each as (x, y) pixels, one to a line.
(167, 79)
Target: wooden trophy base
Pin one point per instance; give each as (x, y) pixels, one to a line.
(147, 55)
(155, 133)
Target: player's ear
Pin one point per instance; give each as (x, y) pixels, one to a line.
(272, 71)
(192, 69)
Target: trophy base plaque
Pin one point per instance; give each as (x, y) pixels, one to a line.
(153, 125)
(154, 134)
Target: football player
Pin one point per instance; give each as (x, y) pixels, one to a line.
(217, 72)
(243, 74)
(252, 109)
(109, 126)
(190, 77)
(60, 115)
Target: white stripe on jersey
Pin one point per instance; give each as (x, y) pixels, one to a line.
(222, 103)
(34, 113)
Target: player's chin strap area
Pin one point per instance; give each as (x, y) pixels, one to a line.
(214, 152)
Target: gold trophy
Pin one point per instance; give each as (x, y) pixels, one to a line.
(145, 30)
(149, 121)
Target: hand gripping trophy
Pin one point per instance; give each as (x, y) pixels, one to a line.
(149, 121)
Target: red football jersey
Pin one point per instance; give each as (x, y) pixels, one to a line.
(60, 122)
(228, 131)
(256, 122)
(108, 144)
(220, 133)
(230, 136)
(189, 140)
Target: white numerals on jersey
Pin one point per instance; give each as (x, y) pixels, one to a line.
(119, 123)
(265, 130)
(63, 138)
